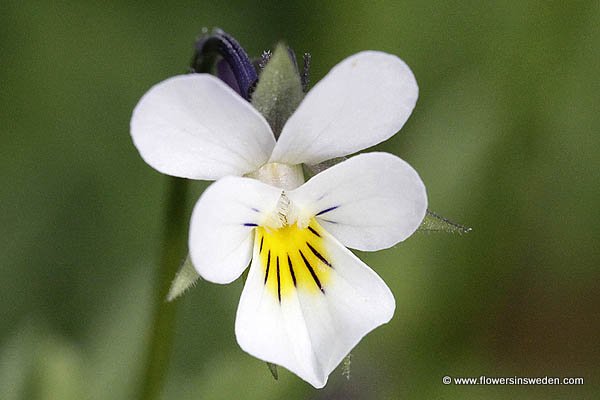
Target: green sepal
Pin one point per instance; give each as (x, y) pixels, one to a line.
(346, 366)
(185, 279)
(273, 369)
(311, 170)
(436, 223)
(279, 89)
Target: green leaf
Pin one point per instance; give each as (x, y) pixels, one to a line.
(185, 279)
(273, 369)
(436, 223)
(279, 90)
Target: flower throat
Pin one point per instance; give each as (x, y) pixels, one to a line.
(293, 258)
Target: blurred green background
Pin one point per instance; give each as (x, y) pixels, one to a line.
(505, 136)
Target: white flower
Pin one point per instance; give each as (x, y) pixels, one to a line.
(307, 300)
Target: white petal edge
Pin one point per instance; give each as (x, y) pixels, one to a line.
(195, 126)
(362, 101)
(369, 202)
(308, 333)
(222, 226)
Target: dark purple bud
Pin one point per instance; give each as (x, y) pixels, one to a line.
(225, 73)
(221, 51)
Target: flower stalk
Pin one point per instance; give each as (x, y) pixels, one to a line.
(174, 244)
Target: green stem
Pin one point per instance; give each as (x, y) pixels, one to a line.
(163, 319)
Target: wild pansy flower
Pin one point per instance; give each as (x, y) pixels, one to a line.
(307, 300)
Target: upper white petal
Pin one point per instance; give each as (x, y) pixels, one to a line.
(222, 226)
(195, 126)
(363, 101)
(311, 332)
(368, 202)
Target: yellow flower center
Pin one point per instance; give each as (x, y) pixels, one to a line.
(293, 258)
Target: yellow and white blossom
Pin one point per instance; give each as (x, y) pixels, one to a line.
(307, 300)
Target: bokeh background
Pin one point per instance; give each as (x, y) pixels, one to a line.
(505, 136)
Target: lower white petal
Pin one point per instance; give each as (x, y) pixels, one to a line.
(308, 301)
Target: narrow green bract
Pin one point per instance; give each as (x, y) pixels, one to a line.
(436, 223)
(185, 279)
(273, 369)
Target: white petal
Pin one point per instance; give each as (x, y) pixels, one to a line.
(222, 226)
(368, 202)
(363, 101)
(309, 331)
(195, 126)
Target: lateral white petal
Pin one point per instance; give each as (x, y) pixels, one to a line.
(362, 101)
(368, 202)
(222, 226)
(310, 332)
(195, 126)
